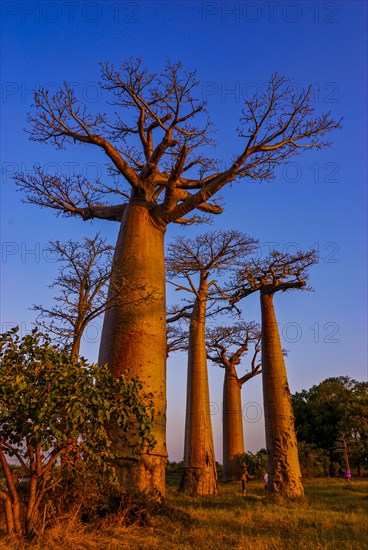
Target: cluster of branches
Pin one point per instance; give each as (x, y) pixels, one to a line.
(227, 344)
(277, 272)
(156, 136)
(230, 252)
(84, 289)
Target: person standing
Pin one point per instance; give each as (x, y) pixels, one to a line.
(244, 480)
(347, 475)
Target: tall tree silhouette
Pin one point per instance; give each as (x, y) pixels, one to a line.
(198, 261)
(278, 272)
(226, 345)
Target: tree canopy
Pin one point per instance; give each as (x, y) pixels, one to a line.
(158, 136)
(338, 405)
(53, 407)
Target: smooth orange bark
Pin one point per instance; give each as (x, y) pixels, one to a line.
(282, 451)
(232, 415)
(134, 340)
(199, 474)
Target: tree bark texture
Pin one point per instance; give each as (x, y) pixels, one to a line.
(199, 473)
(134, 341)
(232, 417)
(10, 498)
(282, 451)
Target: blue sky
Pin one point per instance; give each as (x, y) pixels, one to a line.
(319, 200)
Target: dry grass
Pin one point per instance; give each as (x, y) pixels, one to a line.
(333, 516)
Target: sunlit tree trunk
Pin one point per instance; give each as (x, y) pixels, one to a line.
(10, 498)
(199, 473)
(10, 528)
(233, 437)
(134, 341)
(161, 109)
(282, 452)
(76, 346)
(31, 512)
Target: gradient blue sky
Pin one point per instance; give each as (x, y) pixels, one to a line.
(318, 200)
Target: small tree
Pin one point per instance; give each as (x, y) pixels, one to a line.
(226, 345)
(278, 272)
(82, 283)
(54, 407)
(344, 442)
(204, 257)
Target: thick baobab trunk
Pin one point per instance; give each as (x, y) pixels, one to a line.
(282, 451)
(232, 418)
(199, 473)
(134, 341)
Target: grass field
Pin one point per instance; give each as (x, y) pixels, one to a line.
(333, 516)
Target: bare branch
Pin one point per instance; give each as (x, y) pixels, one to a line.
(177, 339)
(82, 283)
(69, 196)
(155, 134)
(176, 313)
(278, 272)
(227, 344)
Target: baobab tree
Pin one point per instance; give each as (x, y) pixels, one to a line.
(198, 261)
(278, 272)
(225, 346)
(155, 137)
(82, 283)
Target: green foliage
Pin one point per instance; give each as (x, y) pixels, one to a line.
(256, 463)
(336, 405)
(174, 467)
(49, 399)
(54, 407)
(314, 462)
(219, 469)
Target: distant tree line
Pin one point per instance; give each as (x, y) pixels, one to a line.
(331, 421)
